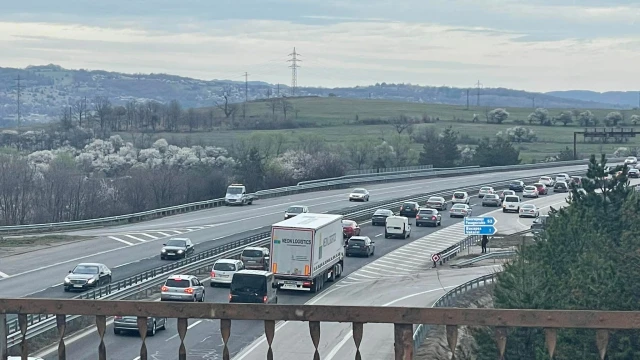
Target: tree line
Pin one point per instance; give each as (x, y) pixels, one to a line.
(586, 259)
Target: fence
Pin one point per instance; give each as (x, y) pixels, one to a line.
(401, 168)
(325, 184)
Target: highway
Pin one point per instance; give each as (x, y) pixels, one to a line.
(399, 268)
(130, 249)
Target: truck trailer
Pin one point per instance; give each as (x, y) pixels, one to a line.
(307, 251)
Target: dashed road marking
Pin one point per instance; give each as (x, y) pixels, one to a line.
(4, 275)
(135, 238)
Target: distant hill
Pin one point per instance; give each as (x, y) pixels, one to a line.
(619, 98)
(49, 88)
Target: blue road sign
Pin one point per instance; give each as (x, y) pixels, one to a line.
(480, 221)
(479, 230)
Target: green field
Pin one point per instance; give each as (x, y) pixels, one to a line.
(334, 120)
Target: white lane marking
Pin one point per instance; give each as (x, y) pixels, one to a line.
(348, 336)
(118, 239)
(148, 235)
(378, 235)
(4, 275)
(188, 327)
(163, 233)
(136, 238)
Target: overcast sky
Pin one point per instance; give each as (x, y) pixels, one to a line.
(535, 45)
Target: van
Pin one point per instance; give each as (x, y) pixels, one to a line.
(256, 258)
(511, 203)
(254, 287)
(397, 226)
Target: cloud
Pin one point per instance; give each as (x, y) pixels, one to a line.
(539, 45)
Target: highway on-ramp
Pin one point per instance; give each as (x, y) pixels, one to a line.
(398, 268)
(130, 249)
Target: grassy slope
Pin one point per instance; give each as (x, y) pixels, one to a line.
(336, 118)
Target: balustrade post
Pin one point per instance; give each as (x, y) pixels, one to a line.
(3, 337)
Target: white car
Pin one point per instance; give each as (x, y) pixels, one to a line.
(460, 210)
(546, 180)
(460, 197)
(530, 191)
(631, 160)
(528, 210)
(511, 203)
(223, 270)
(359, 194)
(295, 210)
(485, 190)
(562, 177)
(398, 226)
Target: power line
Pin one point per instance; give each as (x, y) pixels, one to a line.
(294, 70)
(18, 88)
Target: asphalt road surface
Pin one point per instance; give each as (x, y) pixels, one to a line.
(133, 248)
(402, 264)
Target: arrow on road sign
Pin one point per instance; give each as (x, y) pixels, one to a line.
(480, 221)
(479, 230)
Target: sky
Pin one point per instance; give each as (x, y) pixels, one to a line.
(534, 45)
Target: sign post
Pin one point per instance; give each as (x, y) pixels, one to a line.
(480, 225)
(435, 258)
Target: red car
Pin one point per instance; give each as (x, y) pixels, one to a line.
(542, 189)
(350, 228)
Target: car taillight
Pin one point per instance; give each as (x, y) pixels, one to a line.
(417, 217)
(264, 299)
(229, 297)
(188, 290)
(213, 274)
(433, 218)
(164, 288)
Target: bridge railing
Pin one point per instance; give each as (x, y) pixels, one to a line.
(402, 318)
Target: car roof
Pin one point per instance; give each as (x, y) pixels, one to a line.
(179, 238)
(182, 277)
(459, 191)
(397, 217)
(487, 187)
(512, 196)
(253, 248)
(528, 205)
(296, 206)
(90, 264)
(426, 208)
(226, 261)
(383, 210)
(436, 197)
(253, 272)
(529, 186)
(359, 189)
(359, 238)
(460, 205)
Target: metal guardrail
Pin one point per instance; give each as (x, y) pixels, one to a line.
(502, 254)
(420, 333)
(400, 168)
(324, 184)
(38, 324)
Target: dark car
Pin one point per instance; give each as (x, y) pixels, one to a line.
(561, 186)
(380, 217)
(253, 287)
(517, 186)
(539, 224)
(350, 228)
(409, 209)
(256, 258)
(177, 248)
(130, 323)
(87, 275)
(428, 217)
(633, 173)
(361, 246)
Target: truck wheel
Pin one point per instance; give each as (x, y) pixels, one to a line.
(386, 236)
(333, 273)
(250, 202)
(339, 270)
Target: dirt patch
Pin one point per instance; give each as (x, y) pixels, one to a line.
(435, 346)
(510, 242)
(14, 245)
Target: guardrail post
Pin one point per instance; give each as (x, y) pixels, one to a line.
(4, 351)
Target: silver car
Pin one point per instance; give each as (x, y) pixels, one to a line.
(530, 191)
(460, 210)
(130, 323)
(87, 275)
(359, 194)
(529, 210)
(485, 190)
(182, 288)
(491, 200)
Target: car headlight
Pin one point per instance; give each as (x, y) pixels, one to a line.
(164, 250)
(91, 280)
(180, 251)
(67, 280)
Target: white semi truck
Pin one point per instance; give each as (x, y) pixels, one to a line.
(307, 251)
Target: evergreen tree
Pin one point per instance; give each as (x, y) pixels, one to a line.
(587, 259)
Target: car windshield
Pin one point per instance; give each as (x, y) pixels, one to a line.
(516, 183)
(249, 283)
(491, 196)
(511, 199)
(459, 206)
(221, 266)
(545, 178)
(458, 195)
(408, 205)
(84, 269)
(252, 253)
(427, 212)
(485, 188)
(529, 187)
(528, 206)
(234, 190)
(177, 283)
(356, 242)
(178, 243)
(435, 199)
(358, 191)
(295, 209)
(540, 220)
(381, 212)
(348, 223)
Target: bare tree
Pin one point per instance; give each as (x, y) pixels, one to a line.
(227, 109)
(174, 113)
(402, 123)
(286, 107)
(273, 105)
(81, 109)
(102, 108)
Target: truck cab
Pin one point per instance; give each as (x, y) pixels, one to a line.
(237, 195)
